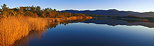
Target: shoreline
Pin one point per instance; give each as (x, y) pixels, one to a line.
(15, 28)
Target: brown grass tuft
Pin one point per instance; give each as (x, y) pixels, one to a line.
(14, 28)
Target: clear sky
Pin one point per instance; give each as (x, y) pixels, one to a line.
(126, 5)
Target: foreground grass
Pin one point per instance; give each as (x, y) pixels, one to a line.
(14, 28)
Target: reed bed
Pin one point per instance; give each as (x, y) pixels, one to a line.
(14, 28)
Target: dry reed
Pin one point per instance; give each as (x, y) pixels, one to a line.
(14, 28)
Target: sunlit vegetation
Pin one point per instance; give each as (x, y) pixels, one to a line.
(16, 23)
(35, 11)
(14, 28)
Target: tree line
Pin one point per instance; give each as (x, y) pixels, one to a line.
(34, 11)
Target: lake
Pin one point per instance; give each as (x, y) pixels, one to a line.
(94, 32)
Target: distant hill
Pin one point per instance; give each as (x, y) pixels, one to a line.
(112, 12)
(146, 14)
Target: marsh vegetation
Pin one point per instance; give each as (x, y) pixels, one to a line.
(17, 23)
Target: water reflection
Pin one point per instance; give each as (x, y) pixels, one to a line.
(38, 34)
(82, 34)
(91, 34)
(115, 22)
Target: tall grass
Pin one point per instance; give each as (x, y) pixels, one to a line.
(14, 28)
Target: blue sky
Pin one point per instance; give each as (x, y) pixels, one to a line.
(126, 5)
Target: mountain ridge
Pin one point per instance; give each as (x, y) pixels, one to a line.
(112, 12)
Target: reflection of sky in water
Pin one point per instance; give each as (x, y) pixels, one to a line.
(83, 34)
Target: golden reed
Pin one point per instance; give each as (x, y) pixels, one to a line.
(14, 28)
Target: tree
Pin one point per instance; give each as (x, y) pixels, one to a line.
(48, 9)
(43, 14)
(0, 11)
(60, 16)
(34, 11)
(52, 14)
(67, 14)
(31, 14)
(38, 8)
(5, 10)
(4, 7)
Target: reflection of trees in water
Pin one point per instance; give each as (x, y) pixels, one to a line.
(114, 22)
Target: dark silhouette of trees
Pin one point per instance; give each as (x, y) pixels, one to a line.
(0, 10)
(4, 7)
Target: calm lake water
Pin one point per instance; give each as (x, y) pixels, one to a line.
(101, 32)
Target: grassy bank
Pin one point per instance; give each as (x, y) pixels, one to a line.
(14, 28)
(16, 23)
